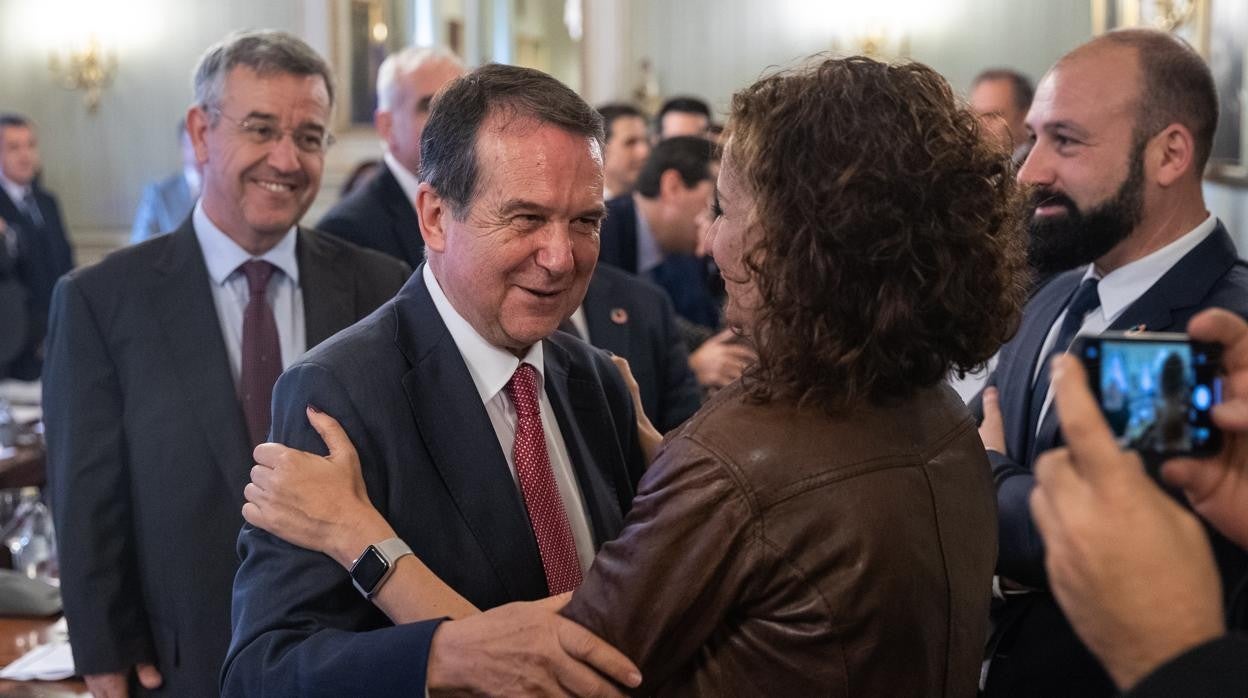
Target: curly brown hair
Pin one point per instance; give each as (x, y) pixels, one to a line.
(889, 244)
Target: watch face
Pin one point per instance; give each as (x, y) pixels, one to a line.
(369, 570)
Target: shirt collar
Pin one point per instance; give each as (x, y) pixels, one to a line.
(223, 256)
(16, 191)
(490, 366)
(408, 181)
(1122, 286)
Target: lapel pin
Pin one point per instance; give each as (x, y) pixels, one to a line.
(1137, 329)
(619, 316)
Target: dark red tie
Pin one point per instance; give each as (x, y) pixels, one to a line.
(262, 351)
(537, 483)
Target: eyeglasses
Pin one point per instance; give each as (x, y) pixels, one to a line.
(260, 130)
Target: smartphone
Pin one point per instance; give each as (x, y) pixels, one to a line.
(1156, 390)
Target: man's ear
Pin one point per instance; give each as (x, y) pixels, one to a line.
(1174, 153)
(671, 184)
(197, 123)
(434, 212)
(383, 121)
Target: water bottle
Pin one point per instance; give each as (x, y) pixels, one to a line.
(31, 540)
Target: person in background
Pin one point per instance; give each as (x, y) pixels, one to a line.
(627, 148)
(35, 238)
(1132, 568)
(682, 116)
(381, 214)
(1001, 98)
(161, 364)
(655, 232)
(167, 203)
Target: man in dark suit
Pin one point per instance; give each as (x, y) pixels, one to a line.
(12, 300)
(42, 249)
(631, 317)
(500, 451)
(381, 214)
(165, 204)
(1122, 129)
(161, 364)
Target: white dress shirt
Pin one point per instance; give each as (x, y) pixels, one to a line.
(223, 257)
(1120, 288)
(491, 368)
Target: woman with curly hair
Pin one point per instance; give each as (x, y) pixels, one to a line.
(826, 525)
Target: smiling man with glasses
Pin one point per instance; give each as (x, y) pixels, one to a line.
(161, 364)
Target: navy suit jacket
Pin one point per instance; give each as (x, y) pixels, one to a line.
(433, 467)
(12, 305)
(165, 204)
(147, 449)
(1211, 275)
(684, 277)
(43, 255)
(379, 216)
(631, 317)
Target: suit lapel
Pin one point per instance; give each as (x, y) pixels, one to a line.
(406, 225)
(187, 315)
(328, 293)
(604, 331)
(461, 441)
(1016, 405)
(586, 429)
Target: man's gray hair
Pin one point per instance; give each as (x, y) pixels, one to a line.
(404, 62)
(267, 52)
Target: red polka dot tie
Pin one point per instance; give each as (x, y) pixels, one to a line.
(262, 351)
(537, 483)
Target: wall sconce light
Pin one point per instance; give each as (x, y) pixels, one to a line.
(89, 69)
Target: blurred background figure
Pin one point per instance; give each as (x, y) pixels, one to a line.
(35, 235)
(380, 214)
(626, 150)
(682, 116)
(1001, 98)
(363, 173)
(167, 203)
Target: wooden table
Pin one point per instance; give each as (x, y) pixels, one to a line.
(17, 637)
(25, 468)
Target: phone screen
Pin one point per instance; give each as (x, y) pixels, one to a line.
(1157, 394)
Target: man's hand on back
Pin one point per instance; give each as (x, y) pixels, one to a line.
(525, 648)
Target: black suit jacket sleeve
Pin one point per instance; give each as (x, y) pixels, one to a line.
(1217, 668)
(297, 619)
(88, 481)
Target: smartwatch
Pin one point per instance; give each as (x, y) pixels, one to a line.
(371, 569)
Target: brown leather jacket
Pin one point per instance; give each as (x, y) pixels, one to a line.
(772, 551)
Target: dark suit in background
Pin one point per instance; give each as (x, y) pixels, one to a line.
(12, 302)
(147, 449)
(631, 317)
(684, 277)
(1036, 653)
(165, 204)
(43, 255)
(379, 216)
(434, 469)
